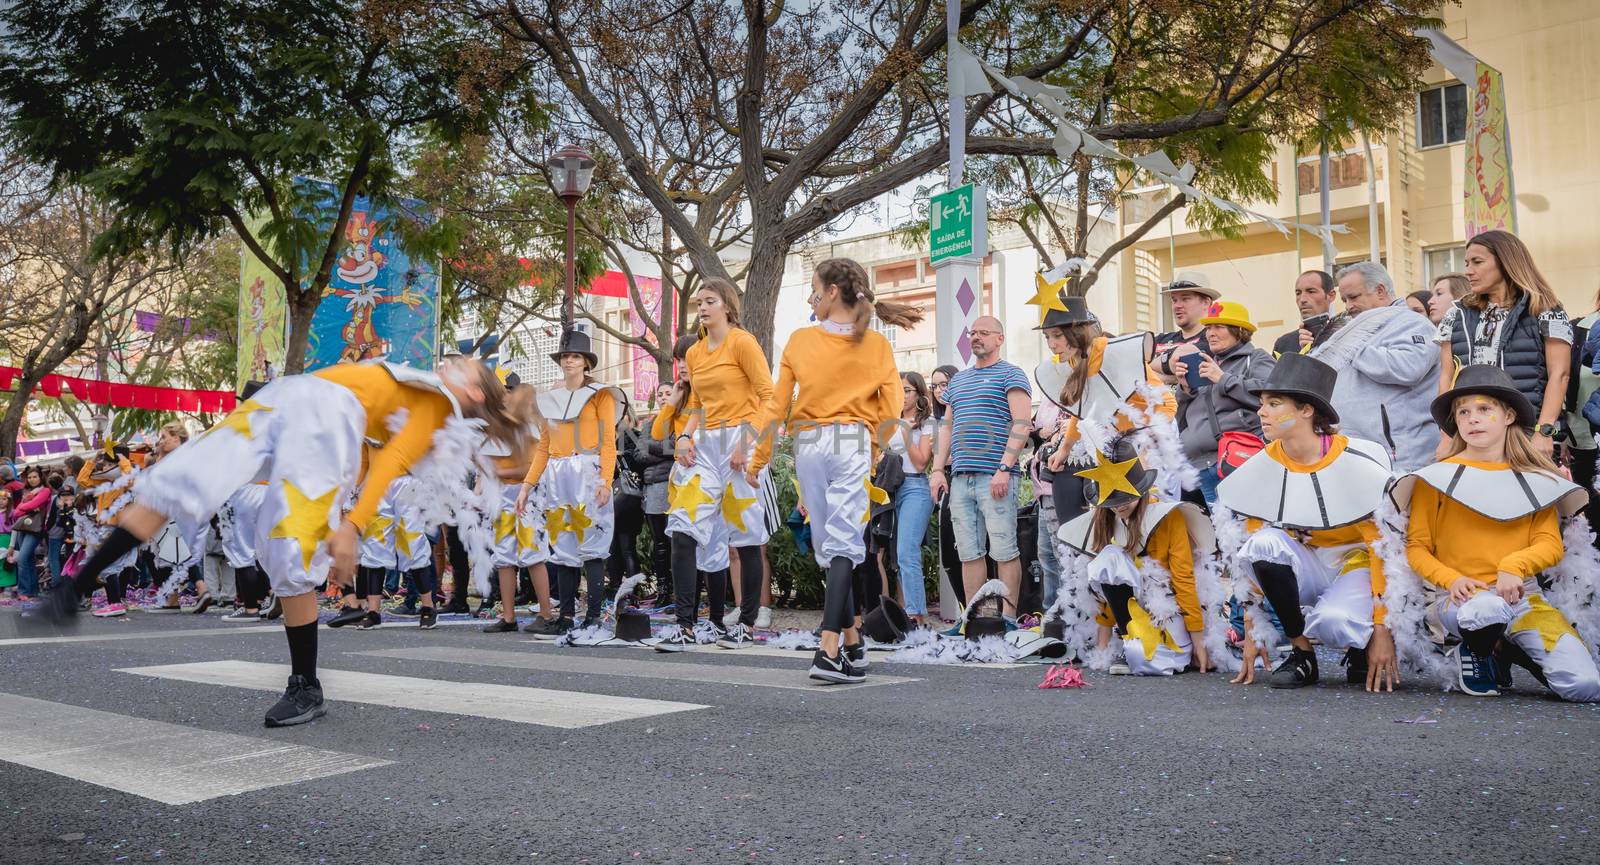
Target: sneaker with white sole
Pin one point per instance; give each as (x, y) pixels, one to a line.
(111, 611)
(730, 618)
(272, 609)
(834, 671)
(679, 639)
(1118, 668)
(738, 637)
(1476, 675)
(203, 603)
(763, 618)
(240, 614)
(857, 656)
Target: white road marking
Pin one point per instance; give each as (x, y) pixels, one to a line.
(155, 760)
(793, 678)
(876, 656)
(565, 709)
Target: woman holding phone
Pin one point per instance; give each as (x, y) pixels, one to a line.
(1214, 389)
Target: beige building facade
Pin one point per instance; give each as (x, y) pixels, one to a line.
(1546, 52)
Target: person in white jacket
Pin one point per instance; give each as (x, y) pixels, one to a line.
(1386, 358)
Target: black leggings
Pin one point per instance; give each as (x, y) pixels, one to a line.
(660, 549)
(369, 582)
(251, 586)
(459, 566)
(838, 605)
(569, 577)
(117, 584)
(949, 559)
(1282, 589)
(624, 559)
(686, 581)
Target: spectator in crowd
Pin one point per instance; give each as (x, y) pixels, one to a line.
(1512, 320)
(1447, 290)
(1384, 361)
(913, 440)
(1221, 401)
(1191, 295)
(73, 465)
(628, 500)
(981, 440)
(1417, 302)
(8, 570)
(1046, 423)
(1313, 294)
(938, 380)
(1583, 452)
(58, 526)
(28, 518)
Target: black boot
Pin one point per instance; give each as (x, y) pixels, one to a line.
(1355, 666)
(1298, 670)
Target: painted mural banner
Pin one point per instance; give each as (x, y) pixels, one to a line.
(263, 318)
(646, 375)
(1490, 202)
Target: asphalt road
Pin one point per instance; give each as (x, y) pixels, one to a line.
(953, 765)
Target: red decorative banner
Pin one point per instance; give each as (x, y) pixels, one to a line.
(143, 396)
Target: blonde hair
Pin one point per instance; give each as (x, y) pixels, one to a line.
(1516, 265)
(856, 292)
(176, 430)
(1519, 451)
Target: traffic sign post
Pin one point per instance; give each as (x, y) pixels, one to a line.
(958, 240)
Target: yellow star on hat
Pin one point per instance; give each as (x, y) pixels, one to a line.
(1048, 296)
(733, 508)
(307, 520)
(1110, 477)
(238, 420)
(578, 521)
(110, 448)
(687, 497)
(875, 495)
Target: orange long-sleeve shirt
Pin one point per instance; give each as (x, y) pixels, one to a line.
(667, 419)
(87, 481)
(826, 378)
(1097, 356)
(1169, 544)
(732, 382)
(594, 431)
(381, 396)
(1448, 540)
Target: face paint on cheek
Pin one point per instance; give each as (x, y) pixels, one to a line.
(1286, 422)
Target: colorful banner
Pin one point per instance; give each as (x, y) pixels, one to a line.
(118, 395)
(380, 302)
(646, 375)
(263, 318)
(1489, 198)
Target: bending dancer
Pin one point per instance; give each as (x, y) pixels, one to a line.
(714, 501)
(1484, 528)
(1310, 497)
(579, 450)
(304, 435)
(848, 389)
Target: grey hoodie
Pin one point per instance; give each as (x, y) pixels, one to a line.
(1243, 367)
(1388, 366)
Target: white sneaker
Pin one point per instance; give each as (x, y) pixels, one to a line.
(731, 619)
(1119, 669)
(763, 618)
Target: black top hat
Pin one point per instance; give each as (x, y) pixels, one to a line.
(250, 388)
(1122, 462)
(1305, 378)
(1491, 381)
(576, 342)
(1076, 312)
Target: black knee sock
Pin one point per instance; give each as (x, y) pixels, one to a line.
(717, 595)
(685, 579)
(119, 544)
(1117, 598)
(1278, 583)
(595, 571)
(837, 605)
(749, 584)
(568, 578)
(1482, 640)
(303, 650)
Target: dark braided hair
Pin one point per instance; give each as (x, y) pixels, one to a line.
(856, 292)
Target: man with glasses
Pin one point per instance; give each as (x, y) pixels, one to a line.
(1191, 295)
(981, 438)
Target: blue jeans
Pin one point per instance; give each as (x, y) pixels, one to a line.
(984, 525)
(1049, 562)
(1208, 485)
(912, 508)
(25, 544)
(52, 554)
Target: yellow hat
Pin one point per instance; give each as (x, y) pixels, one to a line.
(1228, 312)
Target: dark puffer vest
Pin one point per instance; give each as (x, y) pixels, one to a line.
(1521, 350)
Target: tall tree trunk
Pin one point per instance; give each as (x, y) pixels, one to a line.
(761, 284)
(302, 308)
(11, 422)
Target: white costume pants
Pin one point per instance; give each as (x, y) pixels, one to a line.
(520, 541)
(833, 464)
(237, 519)
(727, 511)
(1537, 628)
(303, 436)
(1152, 648)
(579, 529)
(1335, 586)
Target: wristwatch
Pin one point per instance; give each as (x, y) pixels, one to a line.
(1548, 430)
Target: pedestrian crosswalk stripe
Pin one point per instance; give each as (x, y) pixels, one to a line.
(143, 635)
(168, 763)
(565, 709)
(877, 656)
(588, 663)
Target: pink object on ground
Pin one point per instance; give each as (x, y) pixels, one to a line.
(1063, 676)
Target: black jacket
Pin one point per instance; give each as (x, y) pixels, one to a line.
(655, 458)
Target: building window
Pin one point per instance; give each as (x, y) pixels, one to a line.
(889, 331)
(1438, 262)
(1442, 115)
(1344, 171)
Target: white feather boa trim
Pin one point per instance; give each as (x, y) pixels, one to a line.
(1575, 582)
(1406, 598)
(441, 494)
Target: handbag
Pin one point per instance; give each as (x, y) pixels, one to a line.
(32, 523)
(1234, 449)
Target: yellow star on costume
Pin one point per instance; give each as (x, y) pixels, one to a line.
(238, 420)
(875, 496)
(377, 527)
(307, 520)
(1545, 620)
(733, 508)
(1150, 637)
(1048, 296)
(509, 524)
(404, 537)
(578, 521)
(555, 522)
(799, 500)
(687, 497)
(1110, 477)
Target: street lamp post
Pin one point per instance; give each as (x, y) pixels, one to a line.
(571, 170)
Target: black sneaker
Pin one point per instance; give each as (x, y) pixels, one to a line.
(834, 671)
(680, 639)
(203, 603)
(301, 702)
(405, 612)
(1298, 670)
(552, 629)
(348, 616)
(857, 656)
(272, 610)
(371, 621)
(457, 608)
(501, 626)
(1355, 667)
(738, 637)
(1508, 654)
(240, 614)
(428, 619)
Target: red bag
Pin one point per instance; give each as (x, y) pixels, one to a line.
(1233, 448)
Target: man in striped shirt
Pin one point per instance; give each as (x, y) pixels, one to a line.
(981, 441)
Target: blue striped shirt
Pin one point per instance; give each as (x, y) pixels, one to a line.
(982, 425)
